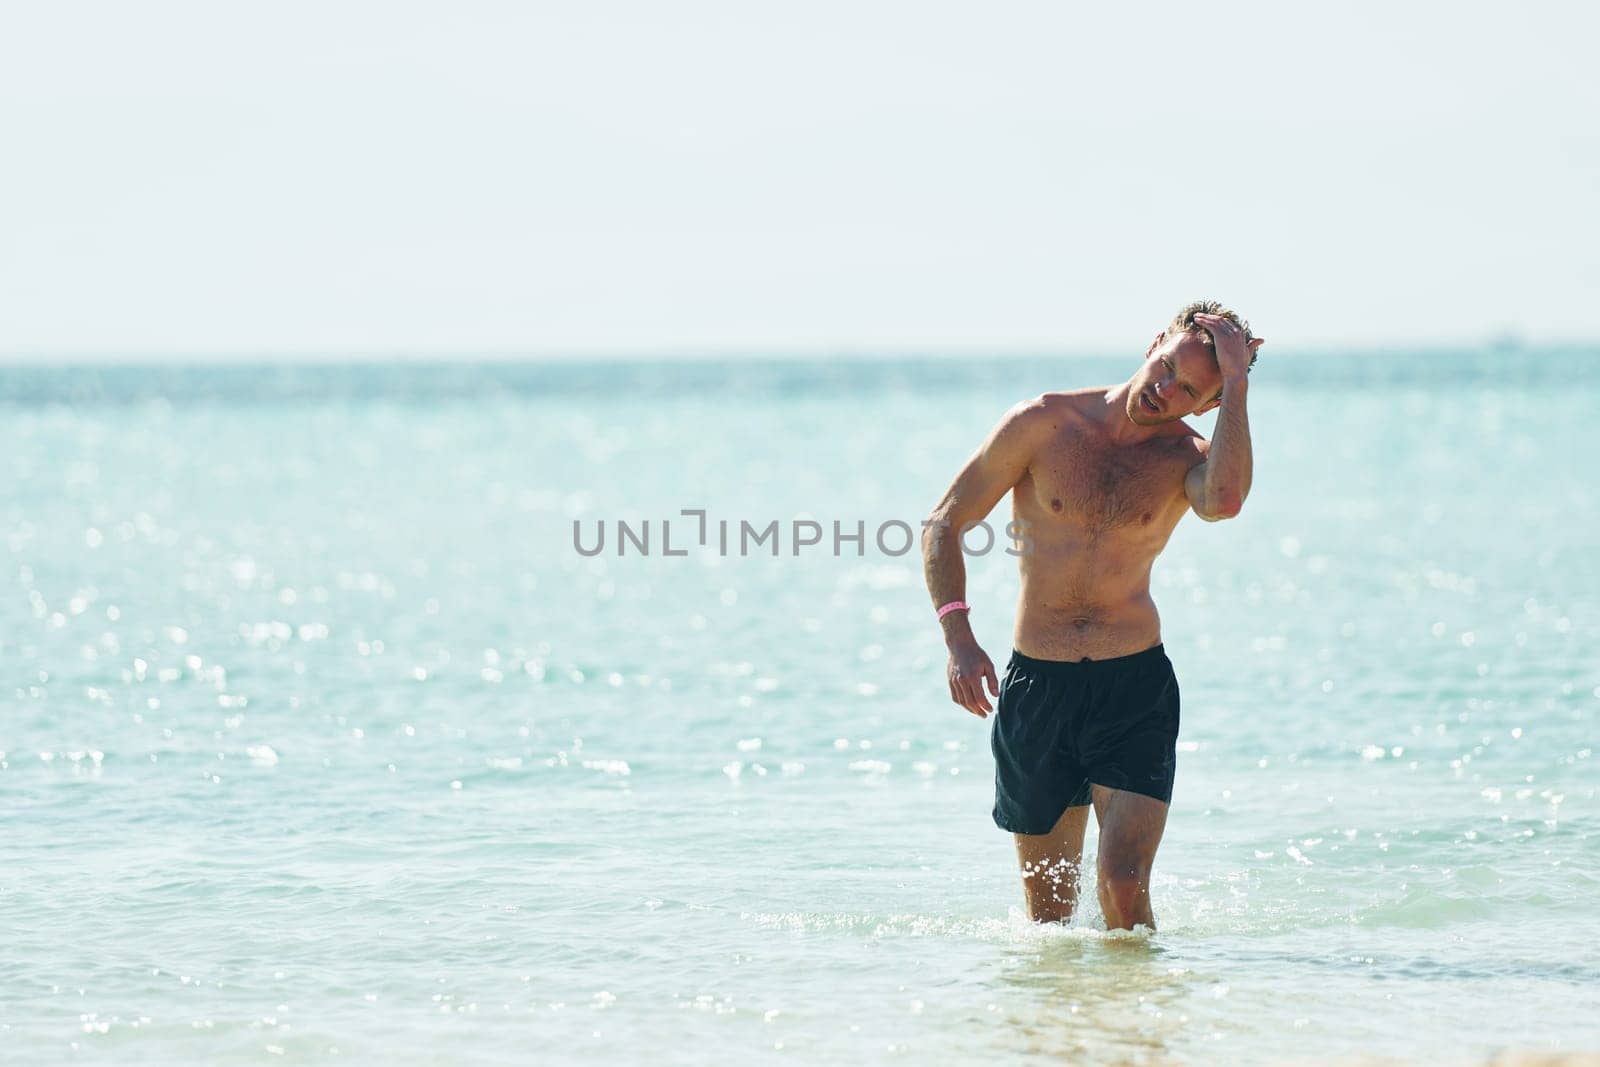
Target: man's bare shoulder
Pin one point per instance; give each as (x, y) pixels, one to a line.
(1041, 420)
(1027, 427)
(1041, 413)
(1077, 404)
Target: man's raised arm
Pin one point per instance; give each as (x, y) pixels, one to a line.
(997, 466)
(1216, 488)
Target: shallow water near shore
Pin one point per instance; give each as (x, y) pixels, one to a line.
(321, 740)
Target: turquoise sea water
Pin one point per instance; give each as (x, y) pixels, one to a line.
(321, 741)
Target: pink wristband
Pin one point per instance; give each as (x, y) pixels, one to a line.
(954, 605)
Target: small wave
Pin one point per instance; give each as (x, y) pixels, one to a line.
(1015, 928)
(1428, 909)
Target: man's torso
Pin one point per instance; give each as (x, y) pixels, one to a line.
(1097, 514)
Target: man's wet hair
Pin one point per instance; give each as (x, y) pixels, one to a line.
(1183, 322)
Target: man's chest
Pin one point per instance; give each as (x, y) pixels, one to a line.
(1103, 487)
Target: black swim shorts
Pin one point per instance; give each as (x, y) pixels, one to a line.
(1061, 725)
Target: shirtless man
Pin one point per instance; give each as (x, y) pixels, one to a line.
(1088, 709)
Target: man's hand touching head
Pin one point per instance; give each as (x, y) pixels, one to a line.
(1221, 329)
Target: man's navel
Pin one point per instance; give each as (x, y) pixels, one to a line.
(1146, 519)
(1055, 504)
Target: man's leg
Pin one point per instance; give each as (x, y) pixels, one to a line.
(1130, 830)
(1050, 867)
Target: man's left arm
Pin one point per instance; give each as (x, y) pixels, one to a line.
(1216, 488)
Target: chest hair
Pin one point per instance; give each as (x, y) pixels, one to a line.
(1104, 488)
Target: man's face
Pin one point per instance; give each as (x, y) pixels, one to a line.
(1179, 377)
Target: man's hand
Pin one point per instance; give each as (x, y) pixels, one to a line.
(970, 667)
(1233, 354)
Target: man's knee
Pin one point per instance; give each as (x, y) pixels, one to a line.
(1124, 880)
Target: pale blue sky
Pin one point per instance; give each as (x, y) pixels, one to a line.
(359, 178)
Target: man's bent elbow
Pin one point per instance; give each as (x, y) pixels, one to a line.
(1224, 506)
